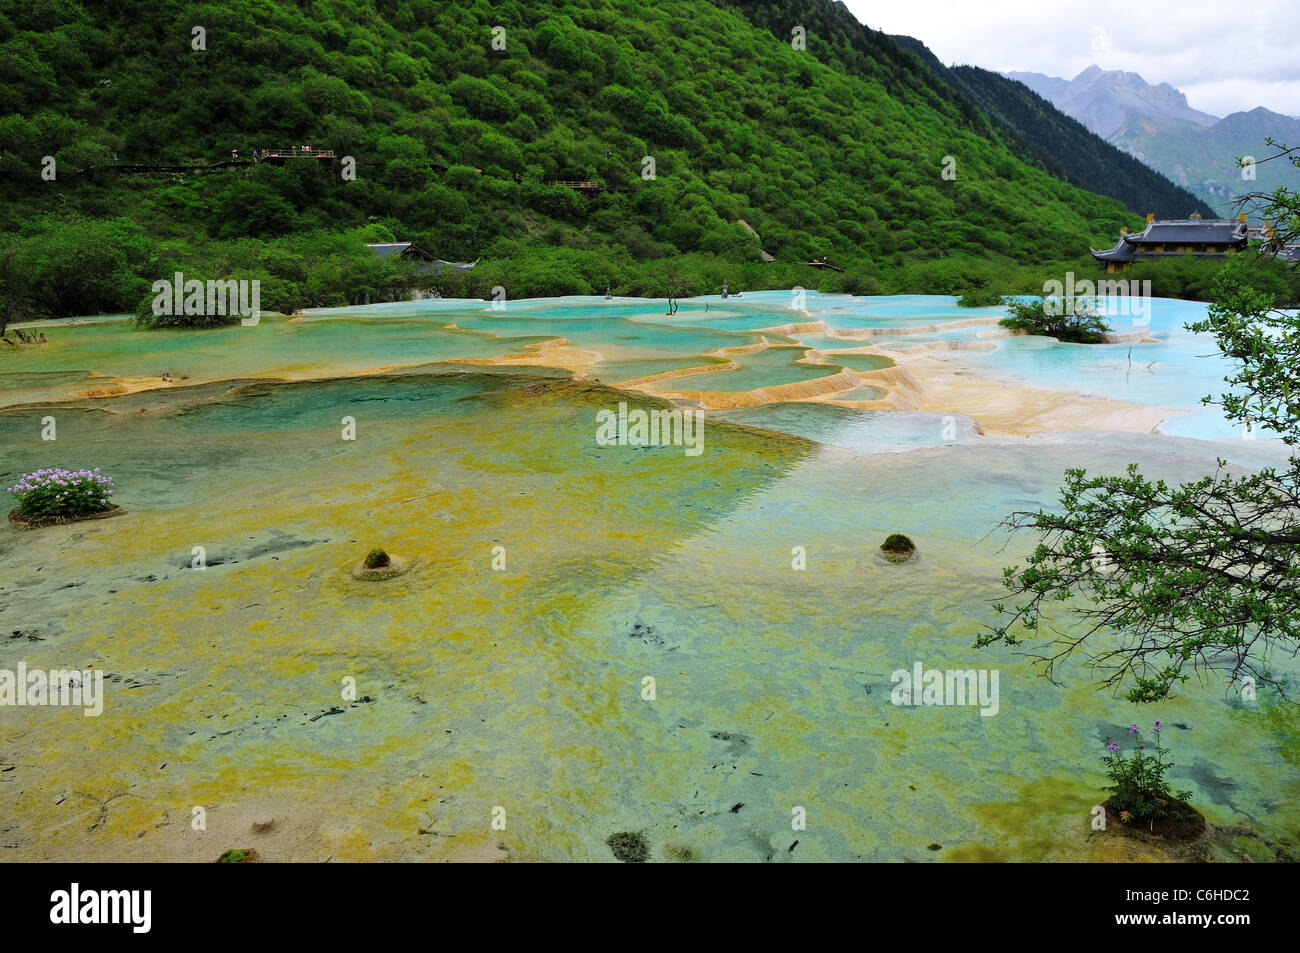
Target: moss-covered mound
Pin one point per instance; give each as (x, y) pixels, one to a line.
(630, 847)
(238, 855)
(1180, 823)
(897, 548)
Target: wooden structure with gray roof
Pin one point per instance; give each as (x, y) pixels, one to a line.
(1197, 237)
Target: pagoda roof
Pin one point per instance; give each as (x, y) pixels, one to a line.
(1190, 232)
(1121, 252)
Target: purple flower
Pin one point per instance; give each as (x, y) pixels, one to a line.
(1132, 729)
(1112, 747)
(1157, 726)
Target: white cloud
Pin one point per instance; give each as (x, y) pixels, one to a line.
(1225, 56)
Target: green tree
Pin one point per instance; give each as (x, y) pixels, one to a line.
(253, 208)
(1170, 578)
(1071, 321)
(15, 297)
(74, 265)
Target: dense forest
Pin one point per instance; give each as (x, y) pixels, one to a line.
(824, 137)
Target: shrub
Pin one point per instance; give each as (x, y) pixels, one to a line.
(377, 559)
(145, 317)
(983, 298)
(1138, 787)
(63, 493)
(1073, 321)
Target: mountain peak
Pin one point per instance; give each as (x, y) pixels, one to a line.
(1108, 101)
(1156, 125)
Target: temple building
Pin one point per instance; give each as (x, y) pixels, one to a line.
(424, 262)
(1200, 238)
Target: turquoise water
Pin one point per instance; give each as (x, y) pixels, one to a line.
(1176, 370)
(746, 581)
(825, 343)
(862, 392)
(627, 370)
(862, 431)
(861, 362)
(766, 368)
(618, 332)
(273, 348)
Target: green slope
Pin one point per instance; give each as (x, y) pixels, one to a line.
(836, 150)
(1206, 159)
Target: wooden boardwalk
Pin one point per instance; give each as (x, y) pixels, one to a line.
(275, 156)
(589, 186)
(282, 154)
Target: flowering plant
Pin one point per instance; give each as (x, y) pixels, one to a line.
(57, 492)
(1139, 789)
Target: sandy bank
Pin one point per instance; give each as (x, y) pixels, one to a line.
(120, 386)
(1129, 337)
(640, 382)
(1004, 408)
(803, 327)
(860, 334)
(554, 352)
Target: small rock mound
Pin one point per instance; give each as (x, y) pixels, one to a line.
(379, 564)
(897, 548)
(237, 855)
(630, 847)
(1182, 823)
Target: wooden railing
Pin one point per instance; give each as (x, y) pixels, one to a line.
(293, 152)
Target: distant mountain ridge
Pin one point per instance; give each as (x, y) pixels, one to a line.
(1107, 100)
(1045, 135)
(1155, 124)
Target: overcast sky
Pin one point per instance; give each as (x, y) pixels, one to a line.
(1226, 55)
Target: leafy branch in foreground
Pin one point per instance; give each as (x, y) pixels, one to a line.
(1280, 208)
(1198, 575)
(1263, 339)
(1169, 579)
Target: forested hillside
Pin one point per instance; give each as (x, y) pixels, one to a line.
(835, 150)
